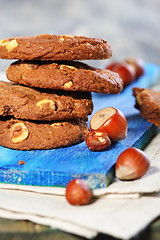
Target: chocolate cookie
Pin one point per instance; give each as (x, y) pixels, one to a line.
(25, 135)
(69, 76)
(148, 102)
(34, 104)
(54, 47)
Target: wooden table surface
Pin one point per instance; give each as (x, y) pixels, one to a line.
(18, 230)
(132, 29)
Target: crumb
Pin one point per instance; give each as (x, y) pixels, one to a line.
(21, 162)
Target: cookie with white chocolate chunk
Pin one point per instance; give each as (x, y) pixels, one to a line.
(68, 76)
(34, 104)
(54, 47)
(26, 135)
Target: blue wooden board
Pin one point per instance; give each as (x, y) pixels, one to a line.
(57, 167)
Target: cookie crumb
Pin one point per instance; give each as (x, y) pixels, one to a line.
(21, 162)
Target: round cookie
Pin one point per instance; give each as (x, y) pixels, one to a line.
(34, 104)
(54, 47)
(148, 103)
(25, 135)
(68, 76)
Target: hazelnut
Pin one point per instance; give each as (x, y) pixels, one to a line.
(2, 42)
(10, 45)
(46, 102)
(57, 124)
(111, 121)
(132, 164)
(78, 192)
(63, 67)
(137, 64)
(71, 67)
(19, 132)
(65, 36)
(138, 99)
(68, 84)
(125, 71)
(97, 141)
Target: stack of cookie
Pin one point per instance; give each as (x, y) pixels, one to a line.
(49, 104)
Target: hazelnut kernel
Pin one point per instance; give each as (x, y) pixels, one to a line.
(10, 45)
(19, 132)
(139, 100)
(63, 67)
(2, 42)
(57, 124)
(65, 36)
(46, 102)
(71, 67)
(68, 84)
